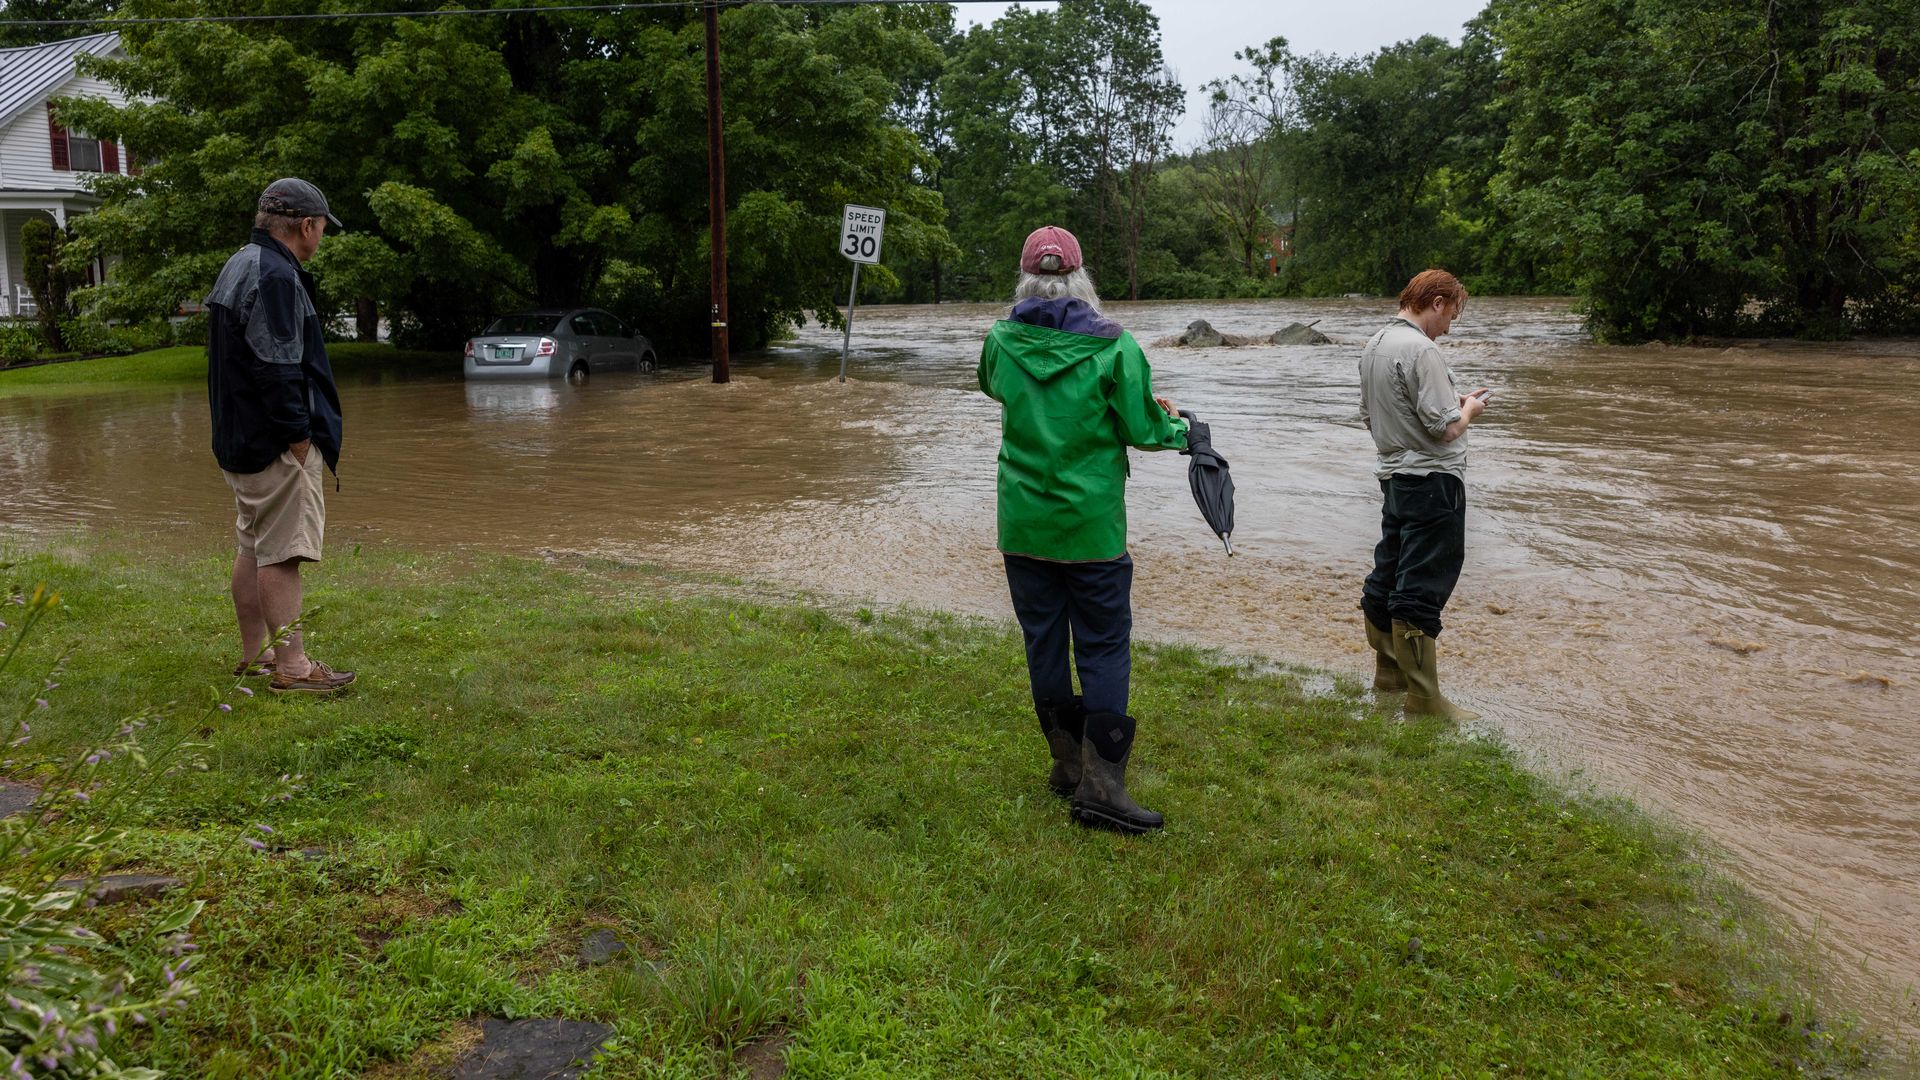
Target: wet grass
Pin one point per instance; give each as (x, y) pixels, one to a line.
(188, 363)
(828, 831)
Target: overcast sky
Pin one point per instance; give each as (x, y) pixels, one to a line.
(1199, 37)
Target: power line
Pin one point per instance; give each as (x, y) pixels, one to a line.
(633, 5)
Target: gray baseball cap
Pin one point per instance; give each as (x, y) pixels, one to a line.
(295, 197)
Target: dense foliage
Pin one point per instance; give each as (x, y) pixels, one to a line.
(1701, 167)
(489, 163)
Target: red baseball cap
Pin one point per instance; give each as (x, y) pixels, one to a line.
(1050, 240)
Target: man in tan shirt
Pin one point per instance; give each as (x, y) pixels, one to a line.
(1419, 419)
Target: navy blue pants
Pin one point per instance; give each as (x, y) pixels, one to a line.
(1423, 542)
(1086, 605)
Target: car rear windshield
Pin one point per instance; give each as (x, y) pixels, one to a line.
(523, 324)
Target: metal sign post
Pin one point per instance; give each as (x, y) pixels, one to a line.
(860, 231)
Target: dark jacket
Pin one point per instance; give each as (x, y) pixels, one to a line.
(1069, 313)
(268, 381)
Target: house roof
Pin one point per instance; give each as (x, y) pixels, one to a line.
(30, 73)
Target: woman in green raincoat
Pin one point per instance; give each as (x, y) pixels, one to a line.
(1075, 392)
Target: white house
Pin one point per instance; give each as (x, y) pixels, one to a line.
(43, 166)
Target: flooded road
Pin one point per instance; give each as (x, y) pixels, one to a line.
(1692, 574)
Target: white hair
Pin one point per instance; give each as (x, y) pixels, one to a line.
(1077, 284)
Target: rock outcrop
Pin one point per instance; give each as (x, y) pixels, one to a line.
(1200, 334)
(1299, 334)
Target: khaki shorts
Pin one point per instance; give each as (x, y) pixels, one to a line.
(282, 511)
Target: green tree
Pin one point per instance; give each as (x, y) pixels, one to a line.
(1377, 132)
(1715, 167)
(14, 31)
(45, 269)
(1252, 117)
(515, 160)
(1015, 161)
(1123, 104)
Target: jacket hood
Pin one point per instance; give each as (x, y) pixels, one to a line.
(1044, 352)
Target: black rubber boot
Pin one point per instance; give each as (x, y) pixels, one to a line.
(1062, 722)
(1101, 799)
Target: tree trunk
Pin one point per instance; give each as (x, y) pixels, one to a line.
(366, 319)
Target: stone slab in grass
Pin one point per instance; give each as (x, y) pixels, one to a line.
(16, 799)
(119, 888)
(600, 947)
(532, 1050)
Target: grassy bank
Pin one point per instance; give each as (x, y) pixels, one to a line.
(188, 363)
(827, 833)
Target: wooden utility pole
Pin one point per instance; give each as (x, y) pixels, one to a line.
(717, 195)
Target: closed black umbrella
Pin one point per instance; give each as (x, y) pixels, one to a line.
(1207, 475)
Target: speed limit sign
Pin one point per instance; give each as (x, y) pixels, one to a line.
(860, 230)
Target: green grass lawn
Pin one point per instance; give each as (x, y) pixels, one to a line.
(828, 831)
(188, 363)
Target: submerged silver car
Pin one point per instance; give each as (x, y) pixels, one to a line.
(554, 344)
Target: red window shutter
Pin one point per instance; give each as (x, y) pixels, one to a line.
(58, 135)
(109, 156)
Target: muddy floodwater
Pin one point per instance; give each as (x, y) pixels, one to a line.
(1693, 575)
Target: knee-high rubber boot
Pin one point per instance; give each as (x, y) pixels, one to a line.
(1419, 660)
(1102, 799)
(1062, 722)
(1387, 676)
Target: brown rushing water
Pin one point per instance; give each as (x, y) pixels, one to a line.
(1628, 509)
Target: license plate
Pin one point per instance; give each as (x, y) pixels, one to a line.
(504, 352)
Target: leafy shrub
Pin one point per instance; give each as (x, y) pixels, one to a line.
(19, 341)
(188, 330)
(94, 337)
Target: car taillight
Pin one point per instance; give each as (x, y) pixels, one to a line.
(547, 346)
(469, 348)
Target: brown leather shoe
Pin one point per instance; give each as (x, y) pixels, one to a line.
(321, 680)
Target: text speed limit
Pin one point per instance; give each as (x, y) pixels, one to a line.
(860, 229)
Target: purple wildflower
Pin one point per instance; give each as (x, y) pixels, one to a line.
(264, 828)
(255, 844)
(224, 707)
(244, 690)
(39, 703)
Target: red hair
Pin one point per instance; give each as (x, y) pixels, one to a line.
(1430, 285)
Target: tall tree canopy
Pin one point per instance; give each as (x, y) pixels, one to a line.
(1705, 166)
(1055, 117)
(1694, 167)
(483, 163)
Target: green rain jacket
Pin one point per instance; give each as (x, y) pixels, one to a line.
(1071, 404)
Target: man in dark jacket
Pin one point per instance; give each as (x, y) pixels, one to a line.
(276, 420)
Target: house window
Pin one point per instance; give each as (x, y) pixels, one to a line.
(83, 153)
